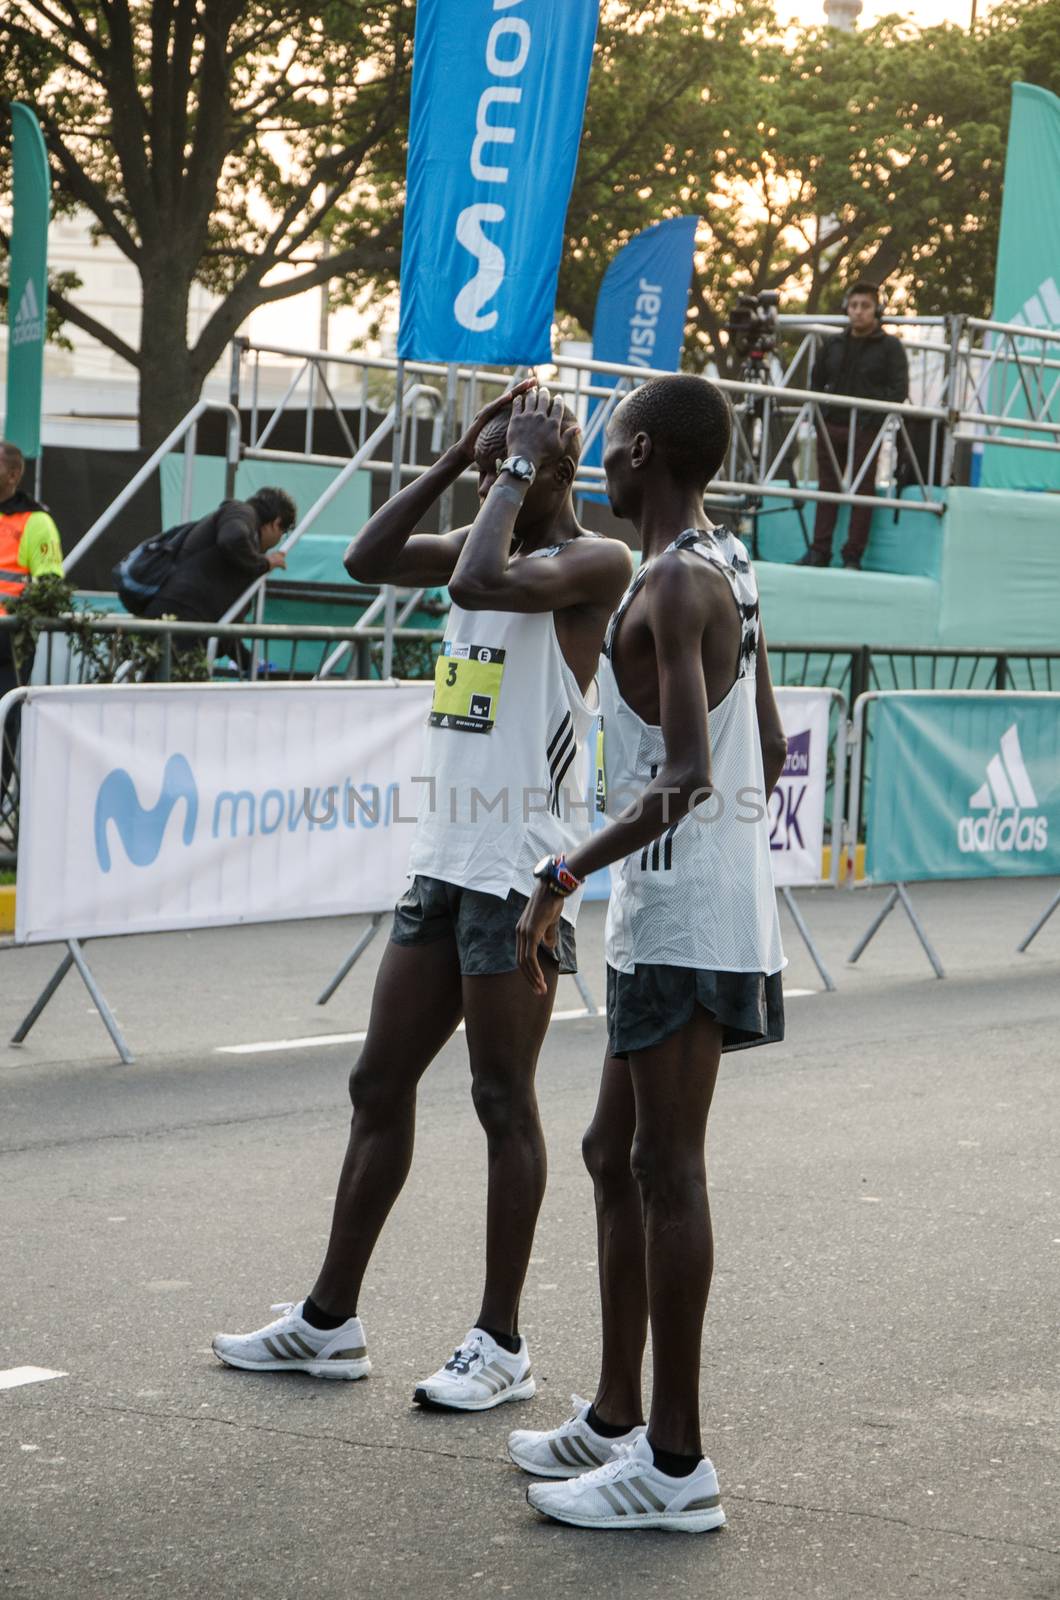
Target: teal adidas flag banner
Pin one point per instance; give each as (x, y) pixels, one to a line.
(1027, 282)
(27, 307)
(964, 786)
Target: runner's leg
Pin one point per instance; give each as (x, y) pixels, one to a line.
(673, 1083)
(416, 1007)
(620, 1241)
(506, 1025)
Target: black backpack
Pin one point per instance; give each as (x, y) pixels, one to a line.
(139, 575)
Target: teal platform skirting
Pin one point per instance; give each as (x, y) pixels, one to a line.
(997, 584)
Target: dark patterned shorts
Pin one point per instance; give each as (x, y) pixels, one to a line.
(647, 1005)
(483, 926)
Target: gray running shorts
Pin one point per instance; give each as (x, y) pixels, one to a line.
(483, 926)
(648, 1004)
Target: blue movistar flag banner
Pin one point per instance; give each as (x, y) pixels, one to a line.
(643, 301)
(642, 306)
(1027, 287)
(964, 786)
(498, 98)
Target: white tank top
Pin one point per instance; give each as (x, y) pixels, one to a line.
(701, 895)
(506, 729)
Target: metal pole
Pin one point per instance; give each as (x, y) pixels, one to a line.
(874, 926)
(38, 472)
(445, 505)
(1040, 924)
(109, 1020)
(354, 956)
(45, 995)
(591, 1007)
(800, 923)
(397, 441)
(921, 935)
(952, 400)
(235, 433)
(187, 493)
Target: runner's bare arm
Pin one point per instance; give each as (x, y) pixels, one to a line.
(588, 572)
(770, 728)
(388, 550)
(678, 614)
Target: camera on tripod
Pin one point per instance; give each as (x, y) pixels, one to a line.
(752, 325)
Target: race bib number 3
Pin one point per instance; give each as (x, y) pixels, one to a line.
(467, 687)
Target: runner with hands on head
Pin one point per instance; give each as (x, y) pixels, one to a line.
(692, 746)
(532, 593)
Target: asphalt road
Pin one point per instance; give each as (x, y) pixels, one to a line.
(880, 1377)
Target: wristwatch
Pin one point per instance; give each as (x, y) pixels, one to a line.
(519, 467)
(554, 872)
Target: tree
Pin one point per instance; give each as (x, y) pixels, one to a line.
(222, 142)
(813, 157)
(211, 143)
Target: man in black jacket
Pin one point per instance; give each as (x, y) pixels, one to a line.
(223, 554)
(868, 364)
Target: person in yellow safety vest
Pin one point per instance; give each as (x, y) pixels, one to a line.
(29, 548)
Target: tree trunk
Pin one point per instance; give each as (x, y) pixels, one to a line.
(169, 382)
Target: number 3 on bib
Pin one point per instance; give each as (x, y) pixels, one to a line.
(467, 686)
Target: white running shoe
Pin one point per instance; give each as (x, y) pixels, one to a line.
(631, 1492)
(478, 1376)
(568, 1450)
(290, 1344)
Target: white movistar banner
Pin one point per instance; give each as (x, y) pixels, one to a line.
(796, 806)
(149, 808)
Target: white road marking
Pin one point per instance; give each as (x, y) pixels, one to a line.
(344, 1038)
(15, 1377)
(267, 1046)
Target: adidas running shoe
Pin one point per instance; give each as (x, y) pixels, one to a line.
(478, 1376)
(631, 1492)
(290, 1344)
(568, 1450)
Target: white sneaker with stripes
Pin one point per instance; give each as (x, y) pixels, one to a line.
(290, 1344)
(631, 1492)
(478, 1376)
(568, 1450)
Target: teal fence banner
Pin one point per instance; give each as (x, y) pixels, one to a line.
(27, 306)
(1027, 282)
(964, 786)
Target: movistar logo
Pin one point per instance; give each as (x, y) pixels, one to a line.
(504, 60)
(29, 324)
(1006, 804)
(141, 829)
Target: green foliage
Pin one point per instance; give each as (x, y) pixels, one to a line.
(812, 156)
(102, 655)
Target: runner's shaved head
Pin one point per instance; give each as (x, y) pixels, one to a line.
(687, 420)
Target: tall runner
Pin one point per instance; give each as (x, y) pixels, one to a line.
(532, 594)
(692, 736)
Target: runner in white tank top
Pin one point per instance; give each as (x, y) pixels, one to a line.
(665, 905)
(513, 699)
(690, 727)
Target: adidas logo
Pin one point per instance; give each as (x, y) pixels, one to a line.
(1042, 310)
(29, 324)
(1004, 801)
